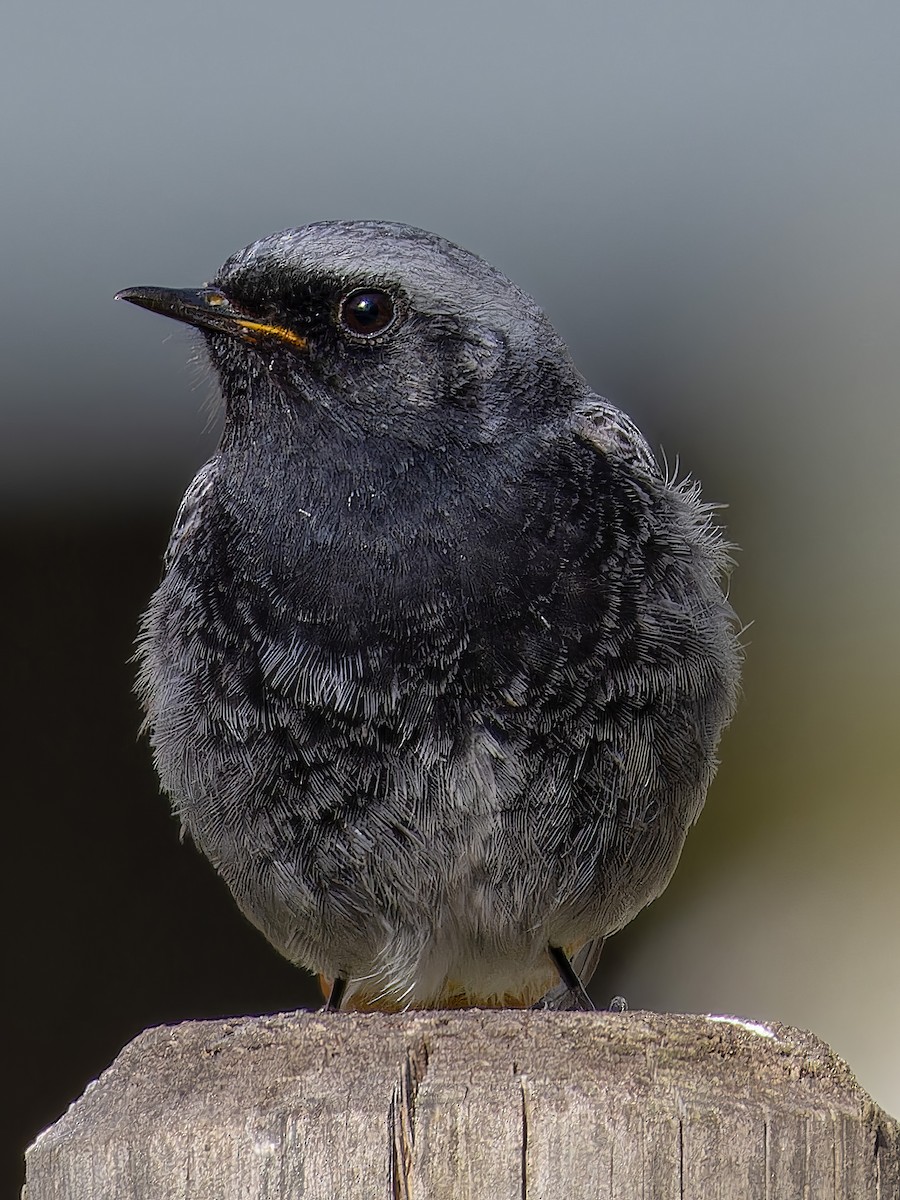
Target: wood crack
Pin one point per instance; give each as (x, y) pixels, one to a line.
(402, 1120)
(523, 1092)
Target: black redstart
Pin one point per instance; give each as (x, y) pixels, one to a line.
(440, 661)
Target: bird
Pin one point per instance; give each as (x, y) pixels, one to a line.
(441, 656)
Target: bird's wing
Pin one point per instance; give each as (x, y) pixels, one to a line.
(190, 511)
(607, 428)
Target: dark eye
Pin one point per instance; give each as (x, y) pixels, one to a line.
(366, 313)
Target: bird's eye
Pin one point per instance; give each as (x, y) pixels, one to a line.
(366, 313)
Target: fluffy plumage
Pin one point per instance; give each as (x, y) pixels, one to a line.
(438, 668)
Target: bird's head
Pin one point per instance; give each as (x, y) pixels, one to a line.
(373, 328)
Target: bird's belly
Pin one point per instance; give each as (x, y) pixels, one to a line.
(459, 911)
(427, 862)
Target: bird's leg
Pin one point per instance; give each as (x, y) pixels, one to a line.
(575, 990)
(335, 996)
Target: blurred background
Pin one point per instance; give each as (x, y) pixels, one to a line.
(705, 199)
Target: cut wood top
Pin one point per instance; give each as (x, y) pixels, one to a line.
(471, 1103)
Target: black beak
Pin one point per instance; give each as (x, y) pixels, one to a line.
(207, 308)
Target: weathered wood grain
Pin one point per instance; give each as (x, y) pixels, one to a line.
(462, 1105)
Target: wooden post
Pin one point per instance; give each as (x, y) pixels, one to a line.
(471, 1105)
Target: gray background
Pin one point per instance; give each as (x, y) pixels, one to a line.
(704, 196)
